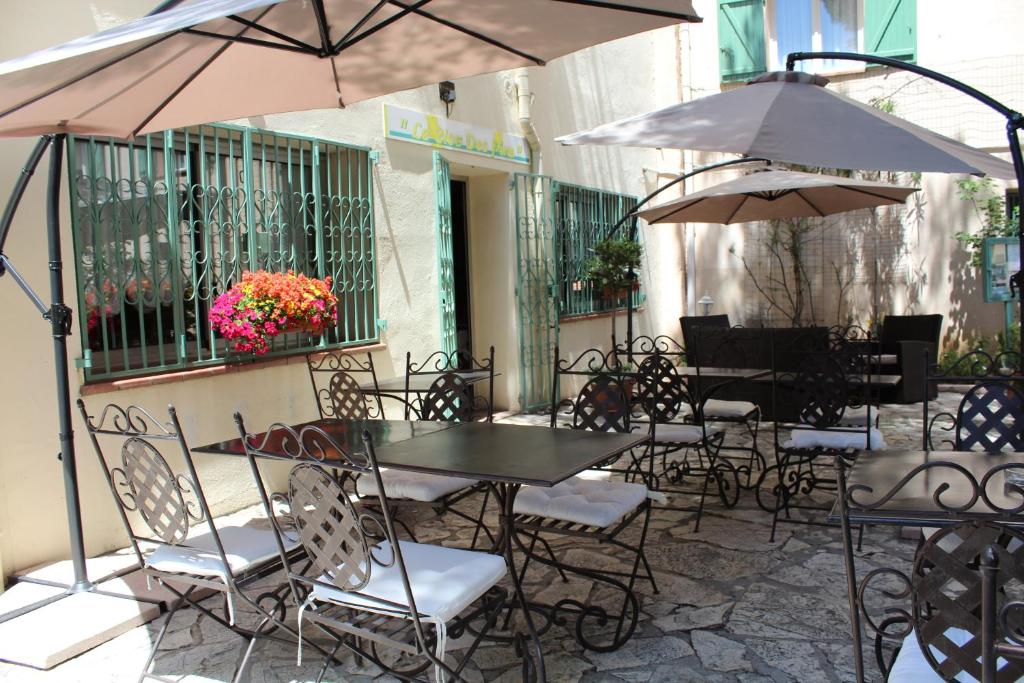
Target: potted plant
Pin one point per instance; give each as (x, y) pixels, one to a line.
(264, 305)
(613, 270)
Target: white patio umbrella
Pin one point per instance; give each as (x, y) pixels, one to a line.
(791, 116)
(213, 60)
(771, 194)
(223, 59)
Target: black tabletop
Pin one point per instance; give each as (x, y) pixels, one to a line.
(875, 380)
(520, 454)
(348, 434)
(420, 382)
(914, 504)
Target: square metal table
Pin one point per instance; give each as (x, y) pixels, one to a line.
(506, 456)
(913, 503)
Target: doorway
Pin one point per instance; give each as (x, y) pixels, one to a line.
(460, 265)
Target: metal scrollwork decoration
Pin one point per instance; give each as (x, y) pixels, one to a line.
(129, 421)
(978, 364)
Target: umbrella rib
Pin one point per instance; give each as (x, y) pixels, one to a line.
(470, 32)
(249, 41)
(87, 74)
(348, 42)
(736, 210)
(321, 24)
(359, 24)
(693, 18)
(871, 194)
(677, 208)
(271, 32)
(194, 75)
(810, 204)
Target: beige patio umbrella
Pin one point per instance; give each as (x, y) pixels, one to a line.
(215, 60)
(772, 194)
(791, 116)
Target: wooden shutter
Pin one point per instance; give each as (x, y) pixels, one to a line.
(890, 28)
(741, 47)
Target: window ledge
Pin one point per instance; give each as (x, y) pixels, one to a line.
(213, 371)
(582, 317)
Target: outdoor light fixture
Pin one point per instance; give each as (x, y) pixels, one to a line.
(447, 92)
(705, 303)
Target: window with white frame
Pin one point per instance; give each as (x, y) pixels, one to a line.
(814, 26)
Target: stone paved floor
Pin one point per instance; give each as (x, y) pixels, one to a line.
(731, 607)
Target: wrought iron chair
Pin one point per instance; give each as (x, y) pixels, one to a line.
(459, 362)
(990, 416)
(823, 389)
(664, 397)
(333, 375)
(449, 399)
(932, 623)
(596, 509)
(173, 534)
(385, 599)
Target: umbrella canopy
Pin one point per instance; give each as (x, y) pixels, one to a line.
(214, 60)
(790, 116)
(766, 195)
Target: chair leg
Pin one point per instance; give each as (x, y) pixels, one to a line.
(146, 670)
(480, 519)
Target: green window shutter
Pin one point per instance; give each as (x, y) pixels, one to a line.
(741, 46)
(890, 28)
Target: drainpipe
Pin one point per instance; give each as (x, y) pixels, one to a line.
(524, 100)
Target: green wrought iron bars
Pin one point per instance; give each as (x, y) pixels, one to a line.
(164, 224)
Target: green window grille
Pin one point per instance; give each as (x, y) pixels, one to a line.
(166, 223)
(741, 45)
(890, 28)
(584, 217)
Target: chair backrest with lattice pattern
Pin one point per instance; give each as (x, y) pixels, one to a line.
(661, 390)
(142, 482)
(823, 388)
(346, 399)
(990, 418)
(449, 399)
(326, 370)
(602, 405)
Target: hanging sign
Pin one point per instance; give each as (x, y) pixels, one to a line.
(1001, 259)
(442, 133)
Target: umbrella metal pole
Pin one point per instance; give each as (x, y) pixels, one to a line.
(1014, 122)
(632, 230)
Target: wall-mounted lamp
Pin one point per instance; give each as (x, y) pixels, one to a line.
(447, 91)
(705, 303)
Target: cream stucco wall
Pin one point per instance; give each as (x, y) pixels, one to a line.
(623, 78)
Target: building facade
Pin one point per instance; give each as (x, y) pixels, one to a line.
(443, 224)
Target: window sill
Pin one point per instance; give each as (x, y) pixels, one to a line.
(583, 317)
(213, 371)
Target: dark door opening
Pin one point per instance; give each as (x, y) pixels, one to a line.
(460, 266)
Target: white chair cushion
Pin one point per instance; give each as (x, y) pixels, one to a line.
(858, 417)
(677, 433)
(714, 407)
(419, 486)
(592, 502)
(820, 438)
(444, 581)
(911, 666)
(244, 547)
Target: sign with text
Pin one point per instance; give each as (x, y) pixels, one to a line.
(442, 133)
(1001, 259)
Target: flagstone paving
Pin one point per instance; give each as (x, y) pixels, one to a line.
(732, 606)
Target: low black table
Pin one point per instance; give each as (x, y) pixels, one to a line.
(506, 456)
